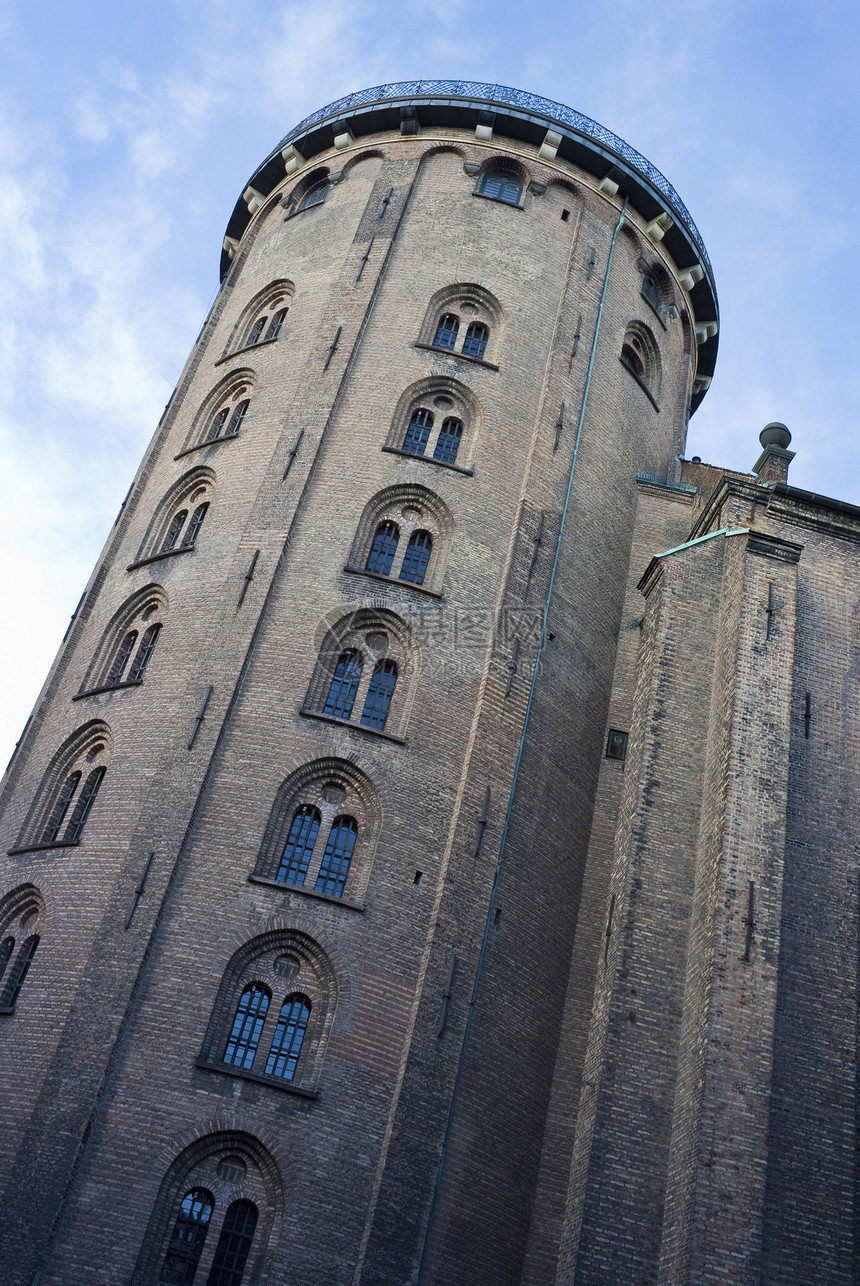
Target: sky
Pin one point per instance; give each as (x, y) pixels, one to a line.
(127, 133)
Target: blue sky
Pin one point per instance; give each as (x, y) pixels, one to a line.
(127, 132)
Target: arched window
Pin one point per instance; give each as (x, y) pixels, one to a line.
(7, 946)
(418, 432)
(51, 833)
(448, 441)
(68, 789)
(446, 331)
(257, 330)
(216, 428)
(171, 536)
(641, 356)
(501, 187)
(120, 661)
(314, 196)
(344, 685)
(334, 867)
(476, 340)
(144, 652)
(195, 524)
(289, 1035)
(188, 1238)
(21, 925)
(247, 1026)
(175, 524)
(84, 803)
(234, 1245)
(383, 549)
(135, 625)
(416, 558)
(18, 972)
(299, 846)
(379, 694)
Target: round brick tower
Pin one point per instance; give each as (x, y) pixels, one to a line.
(294, 840)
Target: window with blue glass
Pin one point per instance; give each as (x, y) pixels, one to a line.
(418, 432)
(188, 1238)
(446, 331)
(383, 548)
(475, 342)
(335, 864)
(379, 693)
(448, 441)
(501, 186)
(299, 847)
(234, 1245)
(288, 1038)
(416, 558)
(344, 685)
(247, 1026)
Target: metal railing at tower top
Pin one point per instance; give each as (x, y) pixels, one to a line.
(479, 92)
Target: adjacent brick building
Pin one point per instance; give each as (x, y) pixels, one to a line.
(432, 855)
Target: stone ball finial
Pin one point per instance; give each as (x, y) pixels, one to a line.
(775, 435)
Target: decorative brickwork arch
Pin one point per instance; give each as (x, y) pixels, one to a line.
(229, 1166)
(22, 922)
(68, 790)
(314, 180)
(372, 154)
(455, 316)
(506, 167)
(225, 409)
(641, 356)
(126, 646)
(355, 651)
(176, 523)
(282, 964)
(307, 807)
(274, 299)
(423, 411)
(413, 514)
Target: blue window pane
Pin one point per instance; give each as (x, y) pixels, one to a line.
(379, 694)
(344, 685)
(186, 1242)
(417, 557)
(288, 1037)
(476, 340)
(448, 441)
(247, 1026)
(446, 331)
(418, 431)
(299, 846)
(338, 855)
(501, 187)
(383, 549)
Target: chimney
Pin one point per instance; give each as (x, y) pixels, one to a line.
(772, 464)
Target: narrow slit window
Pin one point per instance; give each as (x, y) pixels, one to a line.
(475, 342)
(417, 557)
(177, 522)
(188, 1238)
(299, 846)
(216, 428)
(501, 187)
(276, 324)
(448, 441)
(120, 661)
(238, 416)
(7, 946)
(418, 431)
(144, 652)
(84, 804)
(344, 685)
(257, 330)
(195, 524)
(234, 1245)
(18, 973)
(247, 1026)
(446, 331)
(383, 549)
(379, 694)
(288, 1037)
(58, 812)
(334, 867)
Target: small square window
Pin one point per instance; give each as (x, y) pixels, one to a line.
(616, 744)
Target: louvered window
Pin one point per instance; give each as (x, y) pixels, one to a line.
(299, 846)
(58, 812)
(216, 428)
(448, 441)
(18, 973)
(334, 867)
(417, 557)
(247, 1026)
(288, 1037)
(501, 187)
(195, 524)
(418, 431)
(379, 694)
(446, 331)
(476, 340)
(187, 1238)
(314, 196)
(276, 324)
(344, 685)
(383, 549)
(144, 652)
(120, 661)
(234, 1245)
(84, 804)
(177, 522)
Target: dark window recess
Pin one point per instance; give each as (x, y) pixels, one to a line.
(187, 1238)
(216, 428)
(418, 431)
(616, 744)
(314, 196)
(58, 812)
(344, 685)
(195, 524)
(631, 358)
(446, 331)
(247, 1026)
(650, 292)
(299, 846)
(417, 557)
(334, 867)
(238, 416)
(177, 522)
(7, 946)
(85, 801)
(383, 549)
(120, 661)
(234, 1245)
(18, 972)
(476, 340)
(379, 694)
(257, 330)
(276, 324)
(448, 441)
(501, 187)
(144, 652)
(288, 1037)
